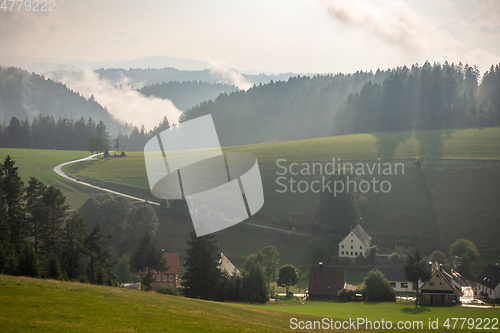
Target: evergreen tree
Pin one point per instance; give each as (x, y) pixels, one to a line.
(13, 189)
(201, 267)
(27, 261)
(417, 269)
(72, 238)
(254, 285)
(35, 208)
(147, 256)
(94, 247)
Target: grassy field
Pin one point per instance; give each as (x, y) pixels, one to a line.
(39, 163)
(28, 304)
(52, 306)
(393, 312)
(451, 192)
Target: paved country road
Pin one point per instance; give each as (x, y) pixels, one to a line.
(58, 169)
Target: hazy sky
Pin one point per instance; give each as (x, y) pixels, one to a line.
(263, 35)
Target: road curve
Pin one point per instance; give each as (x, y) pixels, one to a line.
(58, 169)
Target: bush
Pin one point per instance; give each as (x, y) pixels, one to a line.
(377, 288)
(167, 290)
(347, 295)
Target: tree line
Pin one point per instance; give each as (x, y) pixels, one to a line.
(39, 238)
(44, 132)
(398, 99)
(428, 97)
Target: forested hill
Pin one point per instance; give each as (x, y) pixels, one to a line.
(187, 94)
(25, 95)
(299, 108)
(420, 97)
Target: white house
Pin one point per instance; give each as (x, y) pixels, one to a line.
(397, 278)
(355, 243)
(488, 282)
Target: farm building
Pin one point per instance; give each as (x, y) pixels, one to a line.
(488, 282)
(357, 242)
(326, 281)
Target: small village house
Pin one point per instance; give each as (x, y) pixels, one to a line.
(441, 289)
(356, 243)
(226, 265)
(488, 282)
(168, 277)
(397, 278)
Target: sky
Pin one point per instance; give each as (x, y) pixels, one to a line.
(300, 36)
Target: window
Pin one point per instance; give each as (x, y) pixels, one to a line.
(171, 285)
(361, 248)
(164, 277)
(351, 240)
(351, 253)
(393, 284)
(342, 246)
(437, 275)
(432, 283)
(441, 283)
(356, 253)
(404, 284)
(352, 235)
(171, 278)
(158, 277)
(351, 247)
(342, 252)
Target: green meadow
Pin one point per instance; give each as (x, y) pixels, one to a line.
(449, 190)
(29, 304)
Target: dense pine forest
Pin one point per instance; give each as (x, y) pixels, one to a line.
(420, 97)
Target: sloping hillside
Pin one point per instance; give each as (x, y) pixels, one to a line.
(24, 95)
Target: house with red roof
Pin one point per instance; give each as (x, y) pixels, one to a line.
(168, 277)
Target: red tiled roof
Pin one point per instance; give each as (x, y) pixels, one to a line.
(172, 264)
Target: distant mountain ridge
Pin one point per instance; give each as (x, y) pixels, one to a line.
(187, 94)
(138, 78)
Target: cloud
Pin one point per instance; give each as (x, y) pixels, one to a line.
(393, 23)
(417, 37)
(122, 101)
(230, 75)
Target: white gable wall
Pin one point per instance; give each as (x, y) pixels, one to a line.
(351, 247)
(492, 293)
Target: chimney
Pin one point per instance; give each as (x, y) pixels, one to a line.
(440, 267)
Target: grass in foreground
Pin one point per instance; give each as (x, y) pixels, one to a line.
(394, 312)
(28, 304)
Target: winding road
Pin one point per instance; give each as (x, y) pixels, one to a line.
(58, 169)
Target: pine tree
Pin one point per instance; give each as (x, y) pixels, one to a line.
(147, 256)
(201, 267)
(12, 188)
(35, 207)
(417, 269)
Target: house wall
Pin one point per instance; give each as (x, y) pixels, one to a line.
(164, 279)
(491, 293)
(399, 286)
(357, 247)
(437, 282)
